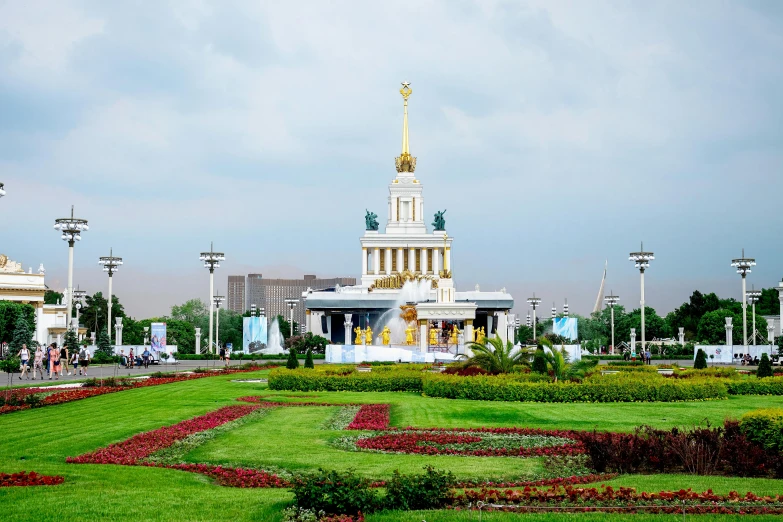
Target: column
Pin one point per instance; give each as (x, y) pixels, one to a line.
(347, 324)
(468, 331)
(412, 259)
(388, 262)
(376, 261)
(364, 261)
(780, 296)
(633, 340)
(729, 336)
(423, 260)
(308, 321)
(447, 259)
(197, 347)
(436, 261)
(400, 264)
(771, 333)
(501, 329)
(682, 336)
(423, 337)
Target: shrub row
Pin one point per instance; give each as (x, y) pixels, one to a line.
(242, 356)
(300, 380)
(755, 386)
(764, 427)
(597, 390)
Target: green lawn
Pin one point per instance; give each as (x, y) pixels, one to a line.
(41, 439)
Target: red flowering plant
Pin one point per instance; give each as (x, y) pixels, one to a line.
(371, 417)
(32, 478)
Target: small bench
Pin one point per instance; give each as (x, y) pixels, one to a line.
(364, 369)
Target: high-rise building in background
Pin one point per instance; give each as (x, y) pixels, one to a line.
(236, 294)
(270, 294)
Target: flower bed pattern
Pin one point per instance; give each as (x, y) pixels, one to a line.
(32, 478)
(235, 477)
(60, 396)
(371, 417)
(608, 499)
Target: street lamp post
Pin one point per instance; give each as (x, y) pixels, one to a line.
(754, 296)
(212, 261)
(291, 305)
(218, 299)
(641, 261)
(565, 308)
(554, 311)
(534, 302)
(743, 265)
(110, 264)
(611, 300)
(78, 295)
(71, 229)
(780, 297)
(529, 323)
(253, 310)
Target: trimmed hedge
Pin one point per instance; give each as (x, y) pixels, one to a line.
(764, 427)
(756, 386)
(597, 390)
(235, 356)
(300, 380)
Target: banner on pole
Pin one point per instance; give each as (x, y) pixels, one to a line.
(158, 337)
(254, 334)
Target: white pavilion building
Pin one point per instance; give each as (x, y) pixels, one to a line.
(407, 251)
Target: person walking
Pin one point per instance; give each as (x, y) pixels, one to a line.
(75, 363)
(24, 357)
(54, 362)
(131, 360)
(145, 356)
(38, 361)
(84, 360)
(64, 360)
(228, 357)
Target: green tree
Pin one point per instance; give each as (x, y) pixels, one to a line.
(23, 334)
(51, 297)
(496, 357)
(9, 314)
(309, 359)
(94, 316)
(284, 326)
(769, 302)
(539, 361)
(104, 344)
(701, 360)
(524, 334)
(561, 369)
(765, 367)
(193, 311)
(71, 341)
(292, 363)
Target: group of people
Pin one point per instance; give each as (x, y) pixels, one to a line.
(747, 359)
(225, 355)
(53, 360)
(130, 361)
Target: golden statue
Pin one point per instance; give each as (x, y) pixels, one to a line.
(409, 335)
(454, 333)
(386, 336)
(480, 335)
(433, 336)
(358, 332)
(368, 335)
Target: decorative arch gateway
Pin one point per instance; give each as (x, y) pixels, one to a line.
(397, 280)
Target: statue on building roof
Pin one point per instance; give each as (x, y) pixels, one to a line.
(371, 220)
(440, 222)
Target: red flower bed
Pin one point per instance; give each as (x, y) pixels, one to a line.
(235, 477)
(132, 450)
(24, 478)
(559, 481)
(371, 417)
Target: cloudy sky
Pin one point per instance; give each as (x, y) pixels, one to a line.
(557, 134)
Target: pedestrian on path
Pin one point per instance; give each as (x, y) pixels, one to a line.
(54, 362)
(146, 357)
(64, 360)
(74, 362)
(38, 361)
(84, 360)
(24, 356)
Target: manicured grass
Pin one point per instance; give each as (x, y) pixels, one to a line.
(719, 485)
(41, 439)
(289, 438)
(473, 516)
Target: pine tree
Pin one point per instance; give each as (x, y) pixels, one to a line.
(765, 367)
(309, 359)
(539, 362)
(701, 360)
(23, 334)
(104, 344)
(71, 341)
(293, 362)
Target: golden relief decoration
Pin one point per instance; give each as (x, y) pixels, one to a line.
(395, 281)
(445, 274)
(405, 162)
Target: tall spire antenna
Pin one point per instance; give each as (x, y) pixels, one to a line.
(405, 162)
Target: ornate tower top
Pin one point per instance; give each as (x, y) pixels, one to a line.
(405, 162)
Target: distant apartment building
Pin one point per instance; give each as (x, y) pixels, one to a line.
(236, 294)
(270, 294)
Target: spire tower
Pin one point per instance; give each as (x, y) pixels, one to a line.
(405, 162)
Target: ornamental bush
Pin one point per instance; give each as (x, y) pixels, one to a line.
(430, 490)
(764, 427)
(395, 379)
(701, 360)
(765, 367)
(539, 362)
(309, 359)
(755, 386)
(334, 492)
(616, 388)
(292, 363)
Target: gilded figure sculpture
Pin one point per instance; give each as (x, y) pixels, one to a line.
(409, 335)
(368, 335)
(433, 336)
(454, 339)
(386, 336)
(358, 332)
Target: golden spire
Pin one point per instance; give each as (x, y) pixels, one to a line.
(405, 162)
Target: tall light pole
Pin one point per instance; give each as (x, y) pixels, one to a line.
(565, 308)
(529, 323)
(611, 300)
(743, 265)
(641, 261)
(753, 297)
(780, 297)
(291, 305)
(212, 261)
(253, 310)
(554, 311)
(78, 295)
(534, 302)
(218, 299)
(71, 229)
(110, 264)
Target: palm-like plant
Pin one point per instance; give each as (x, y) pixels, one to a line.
(560, 367)
(495, 356)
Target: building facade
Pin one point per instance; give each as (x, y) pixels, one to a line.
(235, 300)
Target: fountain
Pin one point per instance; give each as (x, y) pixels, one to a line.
(412, 292)
(274, 343)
